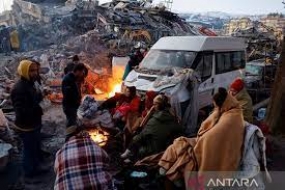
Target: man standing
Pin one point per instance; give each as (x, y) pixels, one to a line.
(72, 93)
(28, 115)
(70, 66)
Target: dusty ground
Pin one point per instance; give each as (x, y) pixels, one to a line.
(53, 124)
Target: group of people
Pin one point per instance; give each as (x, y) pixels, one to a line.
(149, 126)
(156, 130)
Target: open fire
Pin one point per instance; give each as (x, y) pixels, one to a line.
(116, 88)
(99, 137)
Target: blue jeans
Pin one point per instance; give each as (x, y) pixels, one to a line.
(31, 151)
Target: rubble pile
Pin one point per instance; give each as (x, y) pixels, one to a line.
(261, 40)
(52, 32)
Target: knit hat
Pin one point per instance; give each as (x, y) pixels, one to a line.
(23, 69)
(237, 85)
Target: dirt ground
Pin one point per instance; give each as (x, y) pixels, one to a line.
(54, 124)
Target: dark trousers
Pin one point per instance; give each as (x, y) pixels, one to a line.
(71, 116)
(31, 151)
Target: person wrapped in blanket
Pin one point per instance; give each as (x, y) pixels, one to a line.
(160, 129)
(81, 163)
(122, 104)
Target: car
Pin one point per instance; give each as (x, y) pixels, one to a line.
(259, 74)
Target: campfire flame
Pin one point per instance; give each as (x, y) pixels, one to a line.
(99, 137)
(116, 88)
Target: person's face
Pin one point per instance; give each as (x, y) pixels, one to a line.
(38, 69)
(232, 92)
(80, 75)
(33, 72)
(127, 92)
(156, 106)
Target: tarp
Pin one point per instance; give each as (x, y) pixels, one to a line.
(118, 66)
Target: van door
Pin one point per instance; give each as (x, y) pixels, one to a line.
(228, 67)
(204, 67)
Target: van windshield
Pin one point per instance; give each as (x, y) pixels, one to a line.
(163, 60)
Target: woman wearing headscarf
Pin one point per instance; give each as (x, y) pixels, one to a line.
(160, 128)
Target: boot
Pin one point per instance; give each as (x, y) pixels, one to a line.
(126, 154)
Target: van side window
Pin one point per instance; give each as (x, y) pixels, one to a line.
(204, 68)
(229, 61)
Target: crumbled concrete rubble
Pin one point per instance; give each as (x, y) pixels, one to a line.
(52, 32)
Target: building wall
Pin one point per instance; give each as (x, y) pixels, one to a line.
(242, 23)
(277, 23)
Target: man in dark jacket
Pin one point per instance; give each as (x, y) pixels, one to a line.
(28, 115)
(70, 66)
(72, 93)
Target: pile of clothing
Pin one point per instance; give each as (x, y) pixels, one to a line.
(88, 108)
(88, 111)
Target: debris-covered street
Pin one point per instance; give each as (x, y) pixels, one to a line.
(125, 94)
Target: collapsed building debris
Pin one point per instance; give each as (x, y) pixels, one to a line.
(262, 40)
(94, 32)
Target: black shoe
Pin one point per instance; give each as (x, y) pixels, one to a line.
(32, 179)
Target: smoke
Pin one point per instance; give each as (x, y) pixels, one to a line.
(5, 5)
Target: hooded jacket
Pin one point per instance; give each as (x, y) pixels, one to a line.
(160, 130)
(26, 101)
(246, 104)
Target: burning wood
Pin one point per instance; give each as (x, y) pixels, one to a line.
(99, 137)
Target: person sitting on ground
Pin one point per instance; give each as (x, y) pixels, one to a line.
(81, 163)
(161, 127)
(122, 103)
(217, 147)
(238, 90)
(134, 119)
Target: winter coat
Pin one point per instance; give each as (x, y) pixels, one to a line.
(26, 102)
(159, 132)
(254, 156)
(246, 104)
(121, 102)
(71, 92)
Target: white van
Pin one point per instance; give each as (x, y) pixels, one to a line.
(218, 60)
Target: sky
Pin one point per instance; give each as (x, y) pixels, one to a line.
(228, 6)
